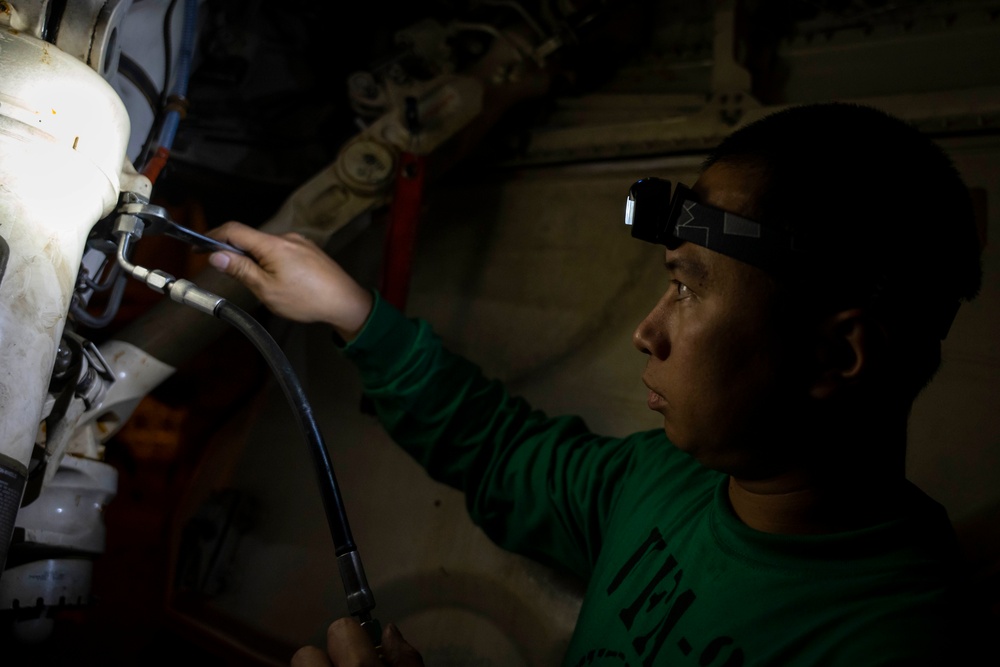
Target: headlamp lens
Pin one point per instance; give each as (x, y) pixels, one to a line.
(647, 209)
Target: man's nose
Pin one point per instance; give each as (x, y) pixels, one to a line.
(650, 337)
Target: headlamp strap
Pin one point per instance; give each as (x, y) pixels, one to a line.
(745, 240)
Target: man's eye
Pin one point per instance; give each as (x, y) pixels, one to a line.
(683, 291)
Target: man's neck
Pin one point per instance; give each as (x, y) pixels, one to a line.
(849, 491)
(813, 509)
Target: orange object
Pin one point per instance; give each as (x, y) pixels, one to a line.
(156, 163)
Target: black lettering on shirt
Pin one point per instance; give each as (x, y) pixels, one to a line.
(651, 644)
(603, 656)
(714, 650)
(654, 541)
(660, 607)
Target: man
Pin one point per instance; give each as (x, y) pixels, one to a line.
(813, 269)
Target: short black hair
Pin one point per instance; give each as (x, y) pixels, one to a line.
(878, 210)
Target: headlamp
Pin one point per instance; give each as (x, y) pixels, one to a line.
(658, 217)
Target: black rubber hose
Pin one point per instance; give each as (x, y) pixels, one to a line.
(81, 315)
(336, 515)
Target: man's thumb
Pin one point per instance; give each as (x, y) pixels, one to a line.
(219, 260)
(240, 267)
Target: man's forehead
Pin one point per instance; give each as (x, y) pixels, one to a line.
(690, 260)
(728, 186)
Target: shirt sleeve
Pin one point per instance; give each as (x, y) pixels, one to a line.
(540, 486)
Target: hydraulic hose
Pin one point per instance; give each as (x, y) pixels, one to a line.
(183, 72)
(336, 514)
(177, 100)
(81, 315)
(360, 600)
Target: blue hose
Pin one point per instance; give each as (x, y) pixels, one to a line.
(186, 57)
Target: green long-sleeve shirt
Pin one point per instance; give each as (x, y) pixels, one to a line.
(674, 578)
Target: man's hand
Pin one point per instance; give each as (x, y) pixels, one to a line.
(294, 278)
(348, 645)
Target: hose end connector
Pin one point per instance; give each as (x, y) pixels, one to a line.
(186, 292)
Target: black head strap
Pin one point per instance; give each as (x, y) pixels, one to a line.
(688, 220)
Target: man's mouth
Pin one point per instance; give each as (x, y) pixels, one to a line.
(654, 401)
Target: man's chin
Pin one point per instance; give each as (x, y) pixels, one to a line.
(704, 453)
(676, 438)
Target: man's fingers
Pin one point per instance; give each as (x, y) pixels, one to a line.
(240, 267)
(396, 651)
(242, 236)
(309, 656)
(349, 645)
(293, 277)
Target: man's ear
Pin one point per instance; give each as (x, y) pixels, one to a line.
(843, 352)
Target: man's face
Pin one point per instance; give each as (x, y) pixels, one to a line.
(714, 344)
